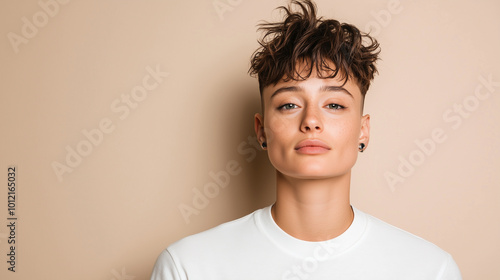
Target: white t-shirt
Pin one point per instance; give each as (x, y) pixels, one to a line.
(255, 247)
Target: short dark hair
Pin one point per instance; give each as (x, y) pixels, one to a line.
(302, 37)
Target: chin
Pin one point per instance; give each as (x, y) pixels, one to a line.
(312, 167)
(311, 173)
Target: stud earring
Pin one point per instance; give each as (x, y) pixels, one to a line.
(361, 147)
(264, 145)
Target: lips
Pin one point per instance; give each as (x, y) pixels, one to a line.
(312, 146)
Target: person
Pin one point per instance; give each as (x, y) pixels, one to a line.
(313, 75)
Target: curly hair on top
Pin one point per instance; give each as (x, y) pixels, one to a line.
(302, 37)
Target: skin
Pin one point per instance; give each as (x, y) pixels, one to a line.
(312, 201)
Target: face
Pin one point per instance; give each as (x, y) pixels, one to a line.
(313, 128)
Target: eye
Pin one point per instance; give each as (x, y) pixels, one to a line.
(335, 106)
(287, 106)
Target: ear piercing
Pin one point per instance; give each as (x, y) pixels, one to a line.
(361, 147)
(263, 145)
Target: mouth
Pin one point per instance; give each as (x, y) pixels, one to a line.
(312, 146)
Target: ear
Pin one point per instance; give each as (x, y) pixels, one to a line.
(364, 136)
(259, 128)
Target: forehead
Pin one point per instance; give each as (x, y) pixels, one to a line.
(314, 84)
(314, 80)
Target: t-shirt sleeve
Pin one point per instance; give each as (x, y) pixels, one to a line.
(450, 270)
(165, 268)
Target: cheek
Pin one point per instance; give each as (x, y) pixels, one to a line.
(276, 129)
(279, 135)
(345, 138)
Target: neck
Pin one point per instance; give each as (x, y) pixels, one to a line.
(313, 209)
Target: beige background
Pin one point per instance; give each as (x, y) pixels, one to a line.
(113, 214)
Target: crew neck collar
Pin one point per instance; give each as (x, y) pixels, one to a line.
(302, 248)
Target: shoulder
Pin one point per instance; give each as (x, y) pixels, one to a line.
(233, 232)
(392, 236)
(165, 268)
(207, 250)
(406, 250)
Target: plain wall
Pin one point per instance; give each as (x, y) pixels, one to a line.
(109, 211)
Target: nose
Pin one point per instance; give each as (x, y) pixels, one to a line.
(311, 120)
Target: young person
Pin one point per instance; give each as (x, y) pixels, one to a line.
(313, 75)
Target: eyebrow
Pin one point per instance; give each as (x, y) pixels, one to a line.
(323, 89)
